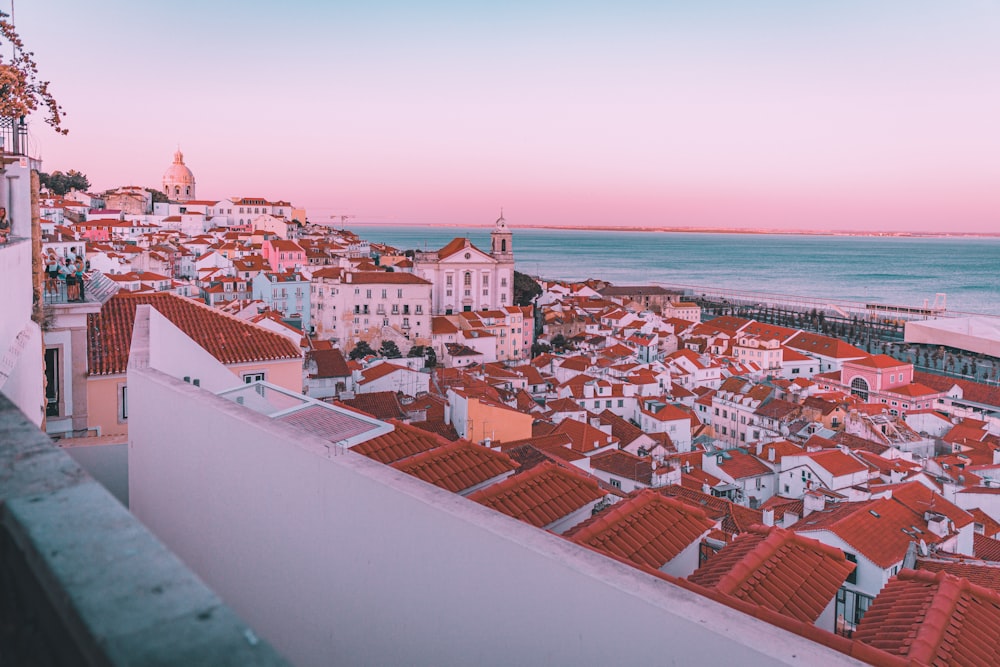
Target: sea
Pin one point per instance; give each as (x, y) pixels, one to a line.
(896, 270)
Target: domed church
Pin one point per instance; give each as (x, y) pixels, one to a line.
(178, 181)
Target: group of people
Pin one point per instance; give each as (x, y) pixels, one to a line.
(66, 271)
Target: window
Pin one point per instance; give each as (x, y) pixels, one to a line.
(468, 279)
(503, 282)
(447, 280)
(368, 294)
(852, 578)
(859, 388)
(621, 403)
(617, 483)
(122, 403)
(384, 294)
(399, 293)
(250, 378)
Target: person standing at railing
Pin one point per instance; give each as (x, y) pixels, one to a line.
(79, 280)
(4, 225)
(52, 273)
(70, 280)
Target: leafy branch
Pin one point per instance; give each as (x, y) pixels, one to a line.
(21, 91)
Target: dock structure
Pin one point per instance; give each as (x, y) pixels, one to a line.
(837, 308)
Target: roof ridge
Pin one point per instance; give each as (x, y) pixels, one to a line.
(931, 633)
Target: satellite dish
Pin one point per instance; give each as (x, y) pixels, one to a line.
(923, 548)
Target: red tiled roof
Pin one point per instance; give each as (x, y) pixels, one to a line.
(457, 245)
(739, 465)
(934, 619)
(881, 361)
(986, 575)
(400, 444)
(646, 528)
(329, 363)
(457, 466)
(228, 339)
(985, 548)
(625, 465)
(735, 518)
(874, 528)
(775, 568)
(379, 404)
(836, 462)
(540, 496)
(385, 277)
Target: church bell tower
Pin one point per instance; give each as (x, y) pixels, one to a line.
(501, 247)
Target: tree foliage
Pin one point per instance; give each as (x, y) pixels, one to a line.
(21, 91)
(159, 197)
(526, 290)
(60, 183)
(390, 350)
(361, 350)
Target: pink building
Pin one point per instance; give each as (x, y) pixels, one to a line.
(283, 255)
(882, 379)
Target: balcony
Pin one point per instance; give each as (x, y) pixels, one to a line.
(82, 582)
(97, 288)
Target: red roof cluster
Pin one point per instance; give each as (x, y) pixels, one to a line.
(458, 466)
(934, 619)
(228, 339)
(540, 496)
(646, 528)
(775, 568)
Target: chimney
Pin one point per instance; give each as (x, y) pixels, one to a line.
(789, 519)
(770, 455)
(812, 502)
(768, 517)
(937, 524)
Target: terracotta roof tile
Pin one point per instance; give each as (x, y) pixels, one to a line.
(934, 619)
(457, 466)
(646, 528)
(228, 339)
(777, 569)
(985, 548)
(403, 442)
(982, 574)
(540, 496)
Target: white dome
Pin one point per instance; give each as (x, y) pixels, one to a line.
(178, 173)
(178, 180)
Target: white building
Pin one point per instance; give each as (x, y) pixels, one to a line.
(466, 278)
(178, 180)
(347, 307)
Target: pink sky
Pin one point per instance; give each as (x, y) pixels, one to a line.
(778, 114)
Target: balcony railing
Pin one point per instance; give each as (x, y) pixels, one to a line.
(97, 288)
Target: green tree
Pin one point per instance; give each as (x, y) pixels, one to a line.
(158, 196)
(361, 350)
(61, 183)
(21, 91)
(390, 350)
(539, 348)
(526, 290)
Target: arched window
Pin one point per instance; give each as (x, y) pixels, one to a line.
(468, 279)
(859, 387)
(503, 245)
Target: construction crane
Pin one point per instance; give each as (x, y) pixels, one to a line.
(342, 218)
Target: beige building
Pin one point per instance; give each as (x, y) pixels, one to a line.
(348, 307)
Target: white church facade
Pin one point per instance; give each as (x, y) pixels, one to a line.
(466, 278)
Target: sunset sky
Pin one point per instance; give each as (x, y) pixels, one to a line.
(854, 114)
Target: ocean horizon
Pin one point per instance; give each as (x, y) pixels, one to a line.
(898, 270)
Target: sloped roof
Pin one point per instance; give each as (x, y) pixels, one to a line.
(623, 464)
(329, 362)
(379, 404)
(540, 496)
(985, 548)
(405, 441)
(457, 466)
(982, 574)
(227, 338)
(934, 619)
(646, 528)
(777, 569)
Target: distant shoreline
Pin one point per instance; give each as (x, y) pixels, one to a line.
(695, 230)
